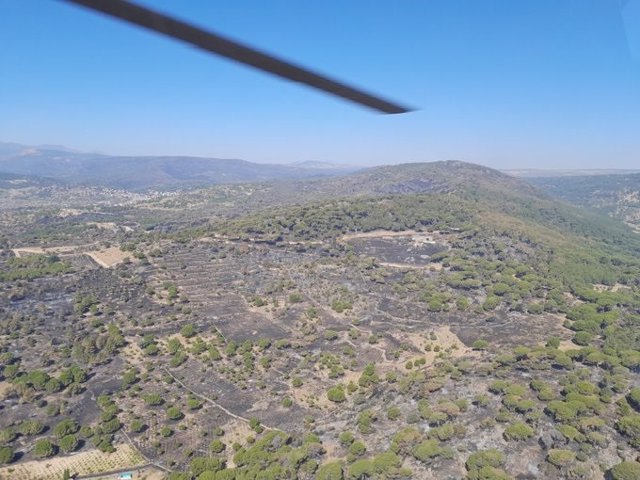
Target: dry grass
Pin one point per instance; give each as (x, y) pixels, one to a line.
(5, 389)
(108, 257)
(105, 257)
(83, 463)
(146, 473)
(65, 249)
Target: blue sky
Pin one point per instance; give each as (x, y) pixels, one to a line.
(504, 83)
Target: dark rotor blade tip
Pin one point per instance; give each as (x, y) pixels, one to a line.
(214, 43)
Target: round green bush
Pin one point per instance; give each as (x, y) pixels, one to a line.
(336, 394)
(6, 455)
(330, 471)
(69, 443)
(174, 413)
(560, 457)
(44, 448)
(625, 471)
(216, 446)
(518, 431)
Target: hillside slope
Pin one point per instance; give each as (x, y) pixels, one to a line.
(616, 195)
(417, 321)
(445, 195)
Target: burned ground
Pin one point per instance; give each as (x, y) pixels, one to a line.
(431, 344)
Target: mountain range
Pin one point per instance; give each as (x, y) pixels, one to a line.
(144, 172)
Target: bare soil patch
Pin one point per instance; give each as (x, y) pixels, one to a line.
(105, 257)
(108, 257)
(65, 249)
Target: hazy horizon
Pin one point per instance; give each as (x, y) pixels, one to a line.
(514, 170)
(524, 85)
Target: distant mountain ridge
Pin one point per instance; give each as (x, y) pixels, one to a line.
(144, 172)
(575, 172)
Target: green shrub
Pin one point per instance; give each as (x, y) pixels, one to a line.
(330, 335)
(217, 446)
(68, 443)
(254, 423)
(571, 433)
(174, 413)
(625, 471)
(357, 448)
(564, 411)
(199, 465)
(31, 427)
(393, 413)
(560, 457)
(111, 426)
(6, 455)
(44, 448)
(336, 394)
(630, 426)
(634, 398)
(346, 438)
(582, 338)
(153, 399)
(295, 297)
(360, 469)
(480, 344)
(488, 473)
(365, 421)
(535, 308)
(427, 450)
(65, 427)
(485, 458)
(340, 305)
(137, 426)
(553, 342)
(7, 435)
(330, 471)
(518, 431)
(443, 433)
(491, 303)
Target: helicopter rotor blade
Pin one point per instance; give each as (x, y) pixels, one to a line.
(214, 43)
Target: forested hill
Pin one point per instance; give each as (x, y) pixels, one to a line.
(409, 178)
(452, 186)
(575, 243)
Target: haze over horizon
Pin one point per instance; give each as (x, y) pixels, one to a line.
(334, 166)
(527, 85)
